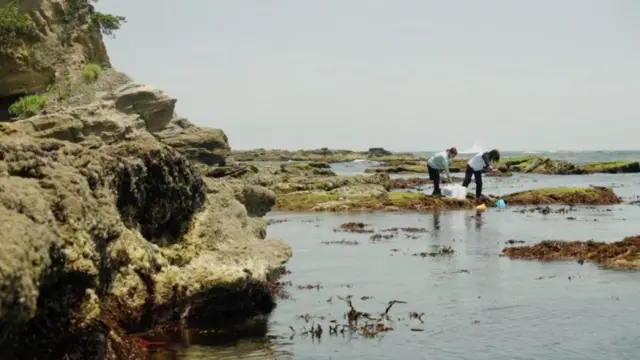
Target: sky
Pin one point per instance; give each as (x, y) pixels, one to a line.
(407, 75)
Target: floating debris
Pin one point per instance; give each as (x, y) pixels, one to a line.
(354, 227)
(309, 287)
(341, 242)
(512, 242)
(406, 229)
(443, 251)
(276, 221)
(381, 237)
(367, 325)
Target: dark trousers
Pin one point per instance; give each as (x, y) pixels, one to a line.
(434, 174)
(478, 177)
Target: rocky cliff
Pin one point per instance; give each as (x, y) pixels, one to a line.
(108, 227)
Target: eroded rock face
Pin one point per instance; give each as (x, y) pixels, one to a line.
(122, 237)
(30, 65)
(95, 121)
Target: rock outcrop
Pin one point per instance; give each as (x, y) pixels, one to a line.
(108, 226)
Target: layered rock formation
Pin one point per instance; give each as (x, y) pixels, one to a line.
(108, 227)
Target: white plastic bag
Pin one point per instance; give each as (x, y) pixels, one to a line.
(455, 191)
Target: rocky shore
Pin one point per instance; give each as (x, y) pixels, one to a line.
(119, 217)
(109, 226)
(407, 163)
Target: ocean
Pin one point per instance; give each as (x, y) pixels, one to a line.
(576, 157)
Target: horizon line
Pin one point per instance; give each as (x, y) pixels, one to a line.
(422, 151)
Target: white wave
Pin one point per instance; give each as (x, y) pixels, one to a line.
(473, 150)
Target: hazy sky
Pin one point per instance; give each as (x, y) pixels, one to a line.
(402, 74)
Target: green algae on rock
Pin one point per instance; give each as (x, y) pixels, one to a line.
(545, 165)
(375, 198)
(594, 195)
(371, 199)
(612, 167)
(623, 254)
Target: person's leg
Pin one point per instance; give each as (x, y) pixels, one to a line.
(434, 174)
(467, 176)
(431, 172)
(478, 176)
(436, 184)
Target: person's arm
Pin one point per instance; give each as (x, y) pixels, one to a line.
(446, 169)
(485, 157)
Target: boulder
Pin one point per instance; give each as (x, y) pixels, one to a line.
(205, 145)
(152, 104)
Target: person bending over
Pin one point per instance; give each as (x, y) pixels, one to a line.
(480, 163)
(437, 163)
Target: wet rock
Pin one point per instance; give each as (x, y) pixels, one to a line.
(623, 254)
(378, 151)
(257, 199)
(116, 236)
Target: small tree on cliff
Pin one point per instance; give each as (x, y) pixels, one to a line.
(82, 11)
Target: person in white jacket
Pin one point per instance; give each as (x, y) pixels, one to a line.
(437, 163)
(480, 163)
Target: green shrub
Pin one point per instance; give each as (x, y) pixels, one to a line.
(91, 72)
(14, 23)
(27, 106)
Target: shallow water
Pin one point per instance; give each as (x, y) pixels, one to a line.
(478, 305)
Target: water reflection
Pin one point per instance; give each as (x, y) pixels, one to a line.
(436, 221)
(247, 341)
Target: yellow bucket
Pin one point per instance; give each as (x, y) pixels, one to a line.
(481, 208)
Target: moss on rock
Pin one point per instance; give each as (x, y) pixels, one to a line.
(564, 195)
